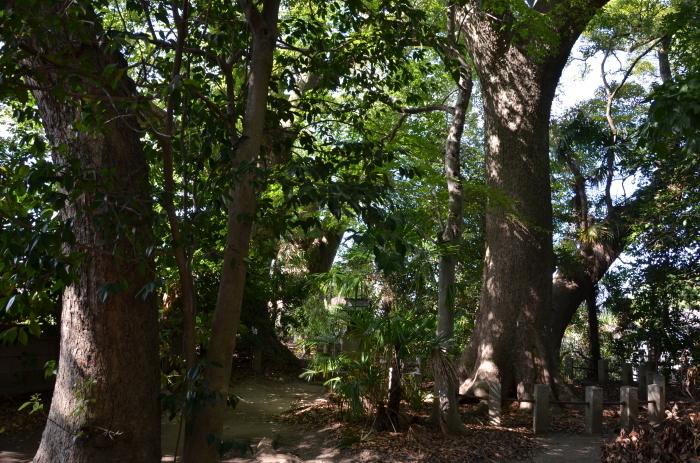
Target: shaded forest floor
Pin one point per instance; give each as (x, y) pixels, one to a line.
(282, 419)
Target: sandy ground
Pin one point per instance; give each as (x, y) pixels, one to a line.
(251, 421)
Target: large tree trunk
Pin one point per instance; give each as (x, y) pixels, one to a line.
(569, 291)
(204, 427)
(105, 401)
(447, 411)
(518, 80)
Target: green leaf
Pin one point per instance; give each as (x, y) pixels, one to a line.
(10, 303)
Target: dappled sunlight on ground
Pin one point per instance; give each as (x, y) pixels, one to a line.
(292, 421)
(261, 400)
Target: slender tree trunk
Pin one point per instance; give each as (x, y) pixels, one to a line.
(393, 403)
(105, 401)
(518, 79)
(567, 295)
(179, 246)
(204, 428)
(593, 332)
(389, 417)
(445, 390)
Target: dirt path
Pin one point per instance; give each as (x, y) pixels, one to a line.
(569, 448)
(251, 421)
(254, 426)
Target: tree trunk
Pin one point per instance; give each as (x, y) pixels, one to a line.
(664, 63)
(570, 291)
(322, 251)
(593, 332)
(388, 416)
(445, 390)
(105, 401)
(204, 428)
(518, 79)
(393, 403)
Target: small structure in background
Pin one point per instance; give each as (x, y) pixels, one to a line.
(593, 405)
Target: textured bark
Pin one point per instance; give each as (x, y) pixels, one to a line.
(203, 429)
(320, 253)
(447, 411)
(518, 81)
(105, 402)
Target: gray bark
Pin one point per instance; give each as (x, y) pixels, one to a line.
(445, 384)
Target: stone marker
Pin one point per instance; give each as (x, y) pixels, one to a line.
(495, 403)
(661, 381)
(656, 407)
(525, 391)
(540, 417)
(629, 407)
(594, 410)
(602, 371)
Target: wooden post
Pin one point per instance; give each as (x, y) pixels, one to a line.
(540, 417)
(661, 381)
(594, 410)
(629, 407)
